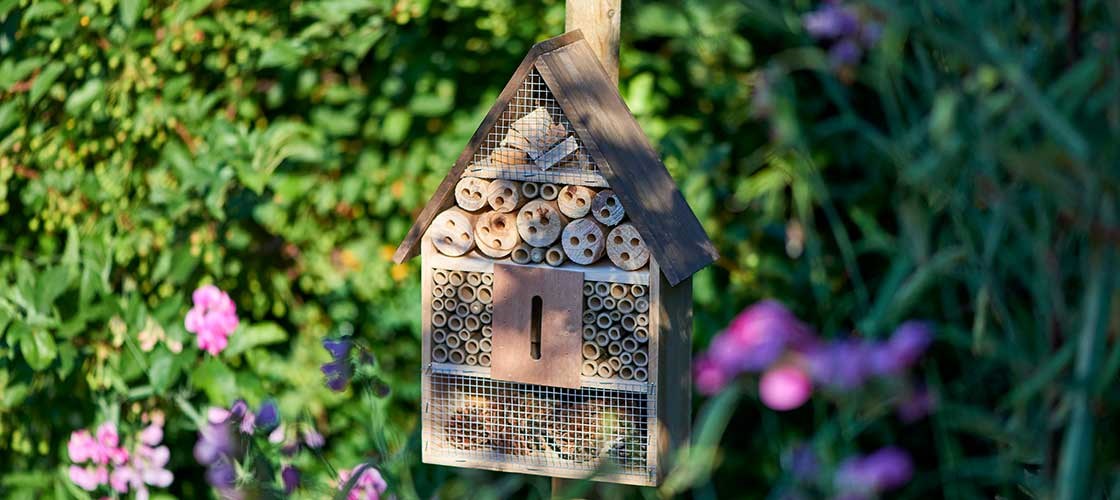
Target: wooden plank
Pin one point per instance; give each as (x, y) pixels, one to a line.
(603, 271)
(558, 358)
(498, 463)
(626, 158)
(613, 384)
(599, 21)
(427, 250)
(444, 196)
(671, 365)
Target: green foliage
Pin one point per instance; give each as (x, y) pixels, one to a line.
(964, 172)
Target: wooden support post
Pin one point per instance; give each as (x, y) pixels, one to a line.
(599, 21)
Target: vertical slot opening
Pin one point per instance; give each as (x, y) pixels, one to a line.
(535, 328)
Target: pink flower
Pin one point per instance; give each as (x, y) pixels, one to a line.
(710, 378)
(369, 486)
(151, 435)
(89, 478)
(757, 337)
(81, 446)
(785, 387)
(213, 318)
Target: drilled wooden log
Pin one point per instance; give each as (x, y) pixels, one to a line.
(554, 256)
(504, 196)
(584, 241)
(452, 232)
(626, 249)
(496, 234)
(575, 201)
(606, 208)
(549, 191)
(537, 255)
(470, 193)
(540, 223)
(521, 254)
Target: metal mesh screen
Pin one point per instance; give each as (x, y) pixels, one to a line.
(534, 141)
(587, 429)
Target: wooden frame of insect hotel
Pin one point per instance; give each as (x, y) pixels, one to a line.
(557, 258)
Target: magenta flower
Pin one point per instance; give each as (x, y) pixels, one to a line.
(213, 318)
(114, 465)
(81, 446)
(89, 478)
(785, 387)
(756, 339)
(290, 475)
(369, 486)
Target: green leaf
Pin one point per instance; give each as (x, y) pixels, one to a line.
(215, 379)
(81, 98)
(38, 349)
(163, 371)
(43, 82)
(130, 11)
(253, 336)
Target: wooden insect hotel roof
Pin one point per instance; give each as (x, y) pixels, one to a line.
(615, 144)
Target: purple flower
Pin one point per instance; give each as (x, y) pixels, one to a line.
(290, 475)
(845, 52)
(312, 437)
(339, 348)
(916, 405)
(710, 377)
(831, 21)
(221, 474)
(909, 341)
(802, 463)
(883, 470)
(214, 442)
(757, 337)
(268, 416)
(338, 374)
(844, 364)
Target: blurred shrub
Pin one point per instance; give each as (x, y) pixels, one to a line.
(963, 170)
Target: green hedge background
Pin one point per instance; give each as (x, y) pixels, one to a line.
(964, 171)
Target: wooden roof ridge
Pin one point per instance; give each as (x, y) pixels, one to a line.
(616, 142)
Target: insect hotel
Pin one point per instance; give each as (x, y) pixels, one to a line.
(557, 298)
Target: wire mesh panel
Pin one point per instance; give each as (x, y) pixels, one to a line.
(534, 141)
(583, 430)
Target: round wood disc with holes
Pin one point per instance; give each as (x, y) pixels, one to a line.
(452, 232)
(584, 241)
(575, 201)
(606, 208)
(470, 193)
(503, 195)
(496, 234)
(540, 223)
(626, 249)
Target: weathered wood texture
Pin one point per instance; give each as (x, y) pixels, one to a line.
(626, 249)
(599, 20)
(540, 222)
(495, 234)
(453, 232)
(670, 363)
(560, 328)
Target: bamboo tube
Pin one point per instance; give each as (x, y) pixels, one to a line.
(437, 304)
(606, 208)
(456, 356)
(449, 305)
(590, 350)
(602, 289)
(589, 368)
(626, 357)
(589, 332)
(487, 331)
(643, 320)
(504, 196)
(530, 190)
(471, 360)
(603, 320)
(471, 346)
(520, 254)
(485, 345)
(588, 289)
(615, 363)
(470, 193)
(628, 322)
(452, 232)
(641, 305)
(489, 307)
(464, 335)
(641, 334)
(638, 290)
(626, 249)
(575, 201)
(485, 318)
(464, 310)
(439, 335)
(640, 357)
(467, 294)
(439, 277)
(439, 319)
(549, 191)
(615, 316)
(454, 341)
(477, 307)
(472, 323)
(484, 359)
(595, 303)
(604, 370)
(554, 256)
(485, 294)
(584, 241)
(626, 372)
(439, 354)
(618, 291)
(640, 374)
(456, 278)
(487, 279)
(540, 223)
(496, 234)
(625, 305)
(537, 255)
(629, 345)
(474, 279)
(589, 318)
(614, 348)
(609, 303)
(437, 291)
(455, 323)
(614, 333)
(601, 338)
